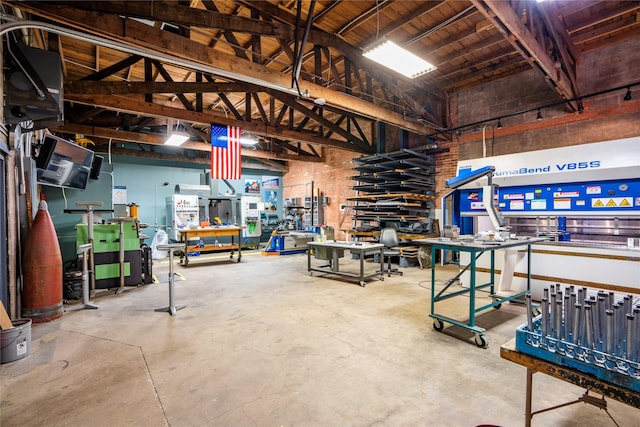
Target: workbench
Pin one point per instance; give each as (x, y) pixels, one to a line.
(581, 379)
(475, 250)
(220, 231)
(332, 251)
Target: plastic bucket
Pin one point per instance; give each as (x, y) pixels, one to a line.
(15, 343)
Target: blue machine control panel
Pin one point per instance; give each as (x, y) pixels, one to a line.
(620, 197)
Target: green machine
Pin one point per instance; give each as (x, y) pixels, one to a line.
(106, 242)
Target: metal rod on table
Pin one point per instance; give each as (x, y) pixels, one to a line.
(558, 319)
(609, 338)
(581, 292)
(630, 338)
(618, 336)
(545, 316)
(529, 312)
(567, 319)
(569, 314)
(577, 322)
(588, 325)
(601, 320)
(612, 300)
(552, 324)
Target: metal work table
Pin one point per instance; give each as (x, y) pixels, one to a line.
(191, 233)
(335, 248)
(587, 381)
(475, 249)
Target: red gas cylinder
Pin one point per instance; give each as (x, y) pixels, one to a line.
(42, 270)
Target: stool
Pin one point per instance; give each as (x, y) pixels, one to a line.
(172, 308)
(121, 221)
(92, 263)
(83, 249)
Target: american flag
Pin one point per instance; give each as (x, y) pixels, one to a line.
(226, 161)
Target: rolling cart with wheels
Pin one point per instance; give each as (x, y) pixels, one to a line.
(334, 250)
(475, 250)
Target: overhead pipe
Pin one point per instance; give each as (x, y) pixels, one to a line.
(300, 50)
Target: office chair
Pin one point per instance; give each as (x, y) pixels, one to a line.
(389, 238)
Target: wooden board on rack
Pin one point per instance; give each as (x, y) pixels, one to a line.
(406, 196)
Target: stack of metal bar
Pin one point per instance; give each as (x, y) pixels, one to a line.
(594, 331)
(597, 321)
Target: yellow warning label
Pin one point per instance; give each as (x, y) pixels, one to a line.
(614, 202)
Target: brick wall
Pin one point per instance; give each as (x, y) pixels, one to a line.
(332, 178)
(605, 117)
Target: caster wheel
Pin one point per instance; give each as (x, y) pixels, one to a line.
(438, 325)
(481, 341)
(363, 284)
(497, 307)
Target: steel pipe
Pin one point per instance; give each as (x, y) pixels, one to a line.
(630, 339)
(545, 316)
(529, 312)
(577, 322)
(588, 326)
(553, 308)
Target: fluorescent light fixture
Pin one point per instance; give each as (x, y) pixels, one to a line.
(176, 139)
(247, 140)
(392, 56)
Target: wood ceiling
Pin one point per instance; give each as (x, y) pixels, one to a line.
(129, 66)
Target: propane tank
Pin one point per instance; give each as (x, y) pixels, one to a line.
(42, 270)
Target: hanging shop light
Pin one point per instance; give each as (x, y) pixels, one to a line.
(174, 137)
(394, 57)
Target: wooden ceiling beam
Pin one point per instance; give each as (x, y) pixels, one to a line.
(119, 103)
(604, 16)
(567, 55)
(590, 34)
(158, 140)
(134, 33)
(508, 23)
(362, 145)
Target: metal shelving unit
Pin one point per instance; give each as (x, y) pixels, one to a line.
(395, 190)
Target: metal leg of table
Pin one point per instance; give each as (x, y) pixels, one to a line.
(527, 410)
(172, 308)
(85, 277)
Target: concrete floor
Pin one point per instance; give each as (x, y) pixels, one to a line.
(261, 343)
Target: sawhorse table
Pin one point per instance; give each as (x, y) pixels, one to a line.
(587, 381)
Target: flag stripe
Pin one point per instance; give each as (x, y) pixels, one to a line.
(226, 159)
